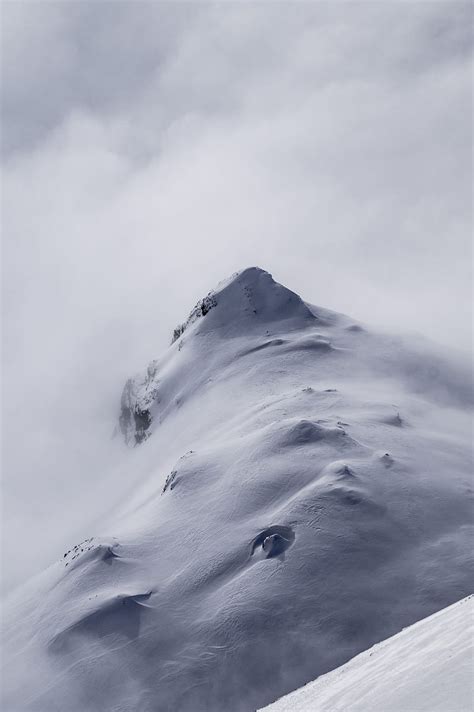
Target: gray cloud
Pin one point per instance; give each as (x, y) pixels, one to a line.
(150, 149)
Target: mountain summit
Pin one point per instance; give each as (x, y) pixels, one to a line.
(246, 301)
(294, 493)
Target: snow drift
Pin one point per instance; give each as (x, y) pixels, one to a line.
(295, 488)
(427, 668)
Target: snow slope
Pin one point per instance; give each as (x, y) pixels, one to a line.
(429, 667)
(294, 489)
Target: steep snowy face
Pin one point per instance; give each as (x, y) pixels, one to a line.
(426, 668)
(300, 489)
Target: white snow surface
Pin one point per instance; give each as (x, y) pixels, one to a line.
(429, 667)
(303, 491)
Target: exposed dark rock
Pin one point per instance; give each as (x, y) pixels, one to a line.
(202, 308)
(273, 541)
(142, 423)
(169, 484)
(137, 398)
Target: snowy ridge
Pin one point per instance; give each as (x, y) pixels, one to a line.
(301, 490)
(249, 305)
(428, 667)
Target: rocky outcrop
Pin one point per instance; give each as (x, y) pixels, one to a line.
(138, 396)
(201, 309)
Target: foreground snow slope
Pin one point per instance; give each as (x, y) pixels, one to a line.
(429, 667)
(295, 488)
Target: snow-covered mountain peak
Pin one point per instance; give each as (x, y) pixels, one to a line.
(303, 492)
(245, 302)
(250, 313)
(255, 294)
(248, 305)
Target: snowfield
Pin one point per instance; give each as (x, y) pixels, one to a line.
(294, 489)
(429, 667)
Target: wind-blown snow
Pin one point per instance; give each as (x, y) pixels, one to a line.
(298, 488)
(429, 667)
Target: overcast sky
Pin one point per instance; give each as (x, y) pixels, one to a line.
(151, 149)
